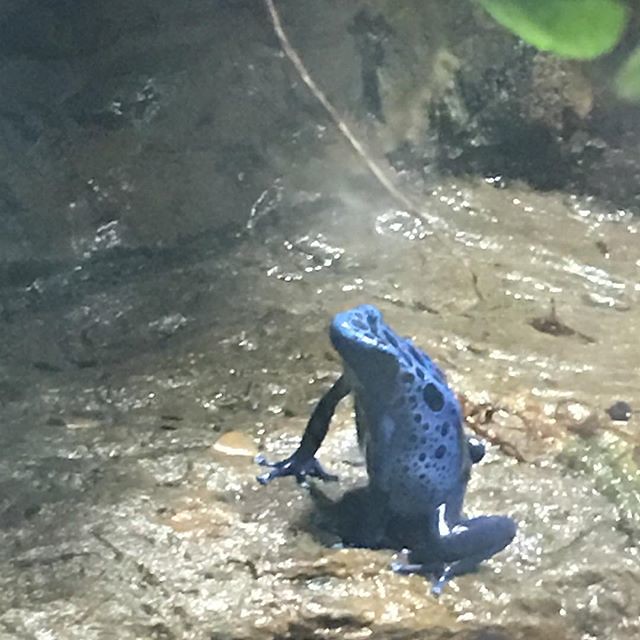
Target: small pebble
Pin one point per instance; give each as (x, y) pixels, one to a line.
(620, 411)
(235, 443)
(82, 423)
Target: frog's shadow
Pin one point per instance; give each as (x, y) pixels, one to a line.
(355, 519)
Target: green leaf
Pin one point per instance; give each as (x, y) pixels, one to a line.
(627, 80)
(582, 29)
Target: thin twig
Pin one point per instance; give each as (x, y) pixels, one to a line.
(407, 203)
(476, 286)
(371, 164)
(508, 448)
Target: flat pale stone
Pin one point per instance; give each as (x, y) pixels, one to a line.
(235, 443)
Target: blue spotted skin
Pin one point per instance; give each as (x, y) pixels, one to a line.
(418, 458)
(410, 422)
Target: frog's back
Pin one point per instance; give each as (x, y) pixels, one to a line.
(409, 419)
(428, 452)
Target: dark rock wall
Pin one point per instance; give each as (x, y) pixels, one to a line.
(147, 123)
(134, 123)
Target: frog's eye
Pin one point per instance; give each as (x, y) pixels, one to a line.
(359, 324)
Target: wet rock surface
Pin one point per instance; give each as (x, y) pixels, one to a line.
(128, 487)
(146, 355)
(147, 125)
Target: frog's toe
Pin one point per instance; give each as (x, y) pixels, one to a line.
(406, 568)
(266, 478)
(278, 469)
(439, 584)
(435, 571)
(261, 459)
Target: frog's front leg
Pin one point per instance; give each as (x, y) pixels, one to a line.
(302, 463)
(458, 549)
(476, 449)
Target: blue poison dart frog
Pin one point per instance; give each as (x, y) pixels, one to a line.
(418, 458)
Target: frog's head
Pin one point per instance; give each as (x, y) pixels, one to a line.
(367, 346)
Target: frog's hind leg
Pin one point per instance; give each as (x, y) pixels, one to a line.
(303, 463)
(476, 539)
(460, 549)
(465, 545)
(471, 563)
(432, 570)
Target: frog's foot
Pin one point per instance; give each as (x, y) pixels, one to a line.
(439, 583)
(451, 571)
(463, 547)
(293, 466)
(435, 571)
(438, 573)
